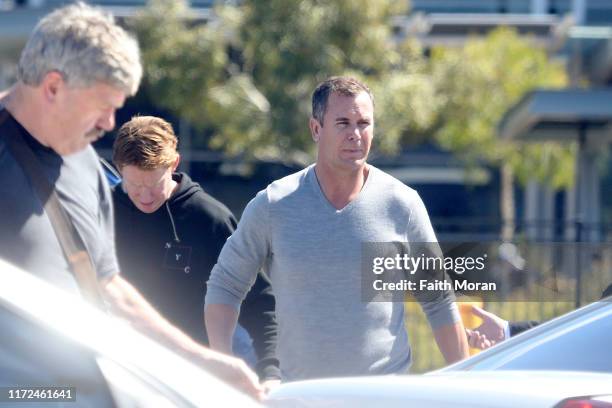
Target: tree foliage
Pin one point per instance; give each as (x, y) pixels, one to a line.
(183, 62)
(477, 84)
(246, 77)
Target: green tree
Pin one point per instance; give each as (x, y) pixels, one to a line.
(183, 62)
(247, 76)
(477, 84)
(287, 46)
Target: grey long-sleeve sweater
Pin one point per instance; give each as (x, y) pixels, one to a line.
(312, 253)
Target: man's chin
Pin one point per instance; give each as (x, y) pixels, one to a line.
(148, 209)
(69, 150)
(92, 138)
(94, 135)
(354, 164)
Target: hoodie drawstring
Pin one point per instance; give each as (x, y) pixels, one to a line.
(176, 238)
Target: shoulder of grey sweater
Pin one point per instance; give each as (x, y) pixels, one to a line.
(286, 186)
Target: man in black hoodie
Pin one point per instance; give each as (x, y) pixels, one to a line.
(169, 233)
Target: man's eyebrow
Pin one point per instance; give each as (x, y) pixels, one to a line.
(341, 119)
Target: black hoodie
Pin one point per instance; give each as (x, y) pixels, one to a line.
(168, 256)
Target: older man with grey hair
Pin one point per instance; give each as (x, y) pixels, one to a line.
(76, 70)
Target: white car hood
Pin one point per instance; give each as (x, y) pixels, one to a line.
(453, 389)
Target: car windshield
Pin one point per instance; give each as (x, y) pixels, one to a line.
(579, 341)
(53, 337)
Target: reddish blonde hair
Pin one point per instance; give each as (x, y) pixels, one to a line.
(147, 142)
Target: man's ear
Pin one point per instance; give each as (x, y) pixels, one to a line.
(176, 162)
(315, 129)
(52, 84)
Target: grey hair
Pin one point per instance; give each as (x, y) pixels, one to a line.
(85, 45)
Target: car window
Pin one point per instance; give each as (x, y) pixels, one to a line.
(52, 338)
(580, 347)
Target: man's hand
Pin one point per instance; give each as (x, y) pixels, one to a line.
(477, 340)
(128, 303)
(233, 371)
(269, 385)
(490, 332)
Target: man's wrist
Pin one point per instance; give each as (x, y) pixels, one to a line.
(268, 371)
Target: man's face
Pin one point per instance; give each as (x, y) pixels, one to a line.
(148, 189)
(345, 138)
(82, 115)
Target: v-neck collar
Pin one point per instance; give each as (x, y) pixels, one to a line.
(318, 190)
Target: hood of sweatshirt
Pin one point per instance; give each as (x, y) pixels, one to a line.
(186, 189)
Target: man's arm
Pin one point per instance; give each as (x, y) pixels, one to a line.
(220, 325)
(439, 305)
(452, 342)
(127, 302)
(258, 317)
(518, 327)
(257, 314)
(236, 270)
(494, 329)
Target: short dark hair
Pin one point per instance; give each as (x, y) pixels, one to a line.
(345, 86)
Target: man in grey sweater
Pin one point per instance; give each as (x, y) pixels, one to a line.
(306, 231)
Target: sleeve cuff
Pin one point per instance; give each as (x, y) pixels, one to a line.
(268, 370)
(215, 297)
(445, 314)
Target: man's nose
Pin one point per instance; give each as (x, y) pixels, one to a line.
(145, 194)
(354, 133)
(107, 121)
